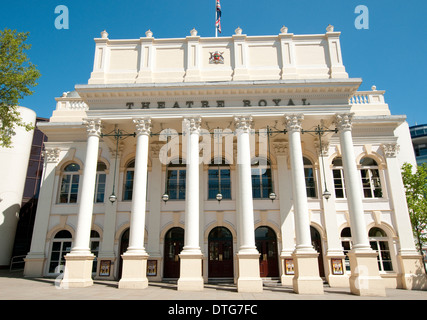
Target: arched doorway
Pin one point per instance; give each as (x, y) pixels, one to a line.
(124, 244)
(316, 241)
(266, 243)
(174, 242)
(220, 244)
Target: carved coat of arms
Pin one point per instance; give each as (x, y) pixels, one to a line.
(216, 57)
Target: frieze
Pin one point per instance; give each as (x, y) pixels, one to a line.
(216, 104)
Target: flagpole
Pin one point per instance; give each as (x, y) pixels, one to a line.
(216, 29)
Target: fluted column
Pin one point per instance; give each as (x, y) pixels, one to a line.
(191, 255)
(306, 279)
(135, 258)
(78, 266)
(248, 256)
(365, 279)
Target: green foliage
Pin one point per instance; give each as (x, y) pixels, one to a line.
(17, 77)
(416, 191)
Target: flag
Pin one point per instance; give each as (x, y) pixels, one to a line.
(218, 16)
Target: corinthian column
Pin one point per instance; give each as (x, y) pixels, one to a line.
(306, 279)
(78, 266)
(191, 255)
(365, 278)
(248, 256)
(134, 274)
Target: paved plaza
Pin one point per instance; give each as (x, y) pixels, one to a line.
(13, 286)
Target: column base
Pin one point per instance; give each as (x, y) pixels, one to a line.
(413, 276)
(134, 271)
(287, 264)
(307, 279)
(34, 265)
(190, 278)
(249, 279)
(336, 273)
(365, 279)
(78, 271)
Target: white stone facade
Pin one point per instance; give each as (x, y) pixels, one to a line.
(168, 96)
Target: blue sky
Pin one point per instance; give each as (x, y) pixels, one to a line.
(391, 54)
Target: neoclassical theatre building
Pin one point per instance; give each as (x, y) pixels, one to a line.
(240, 159)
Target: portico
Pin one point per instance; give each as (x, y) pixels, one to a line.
(206, 145)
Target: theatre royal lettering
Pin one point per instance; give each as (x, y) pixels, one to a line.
(215, 103)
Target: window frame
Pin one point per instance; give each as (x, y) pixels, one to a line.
(100, 173)
(368, 184)
(269, 188)
(341, 178)
(223, 166)
(180, 187)
(381, 249)
(71, 175)
(308, 186)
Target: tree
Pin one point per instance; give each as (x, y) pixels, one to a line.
(415, 184)
(17, 77)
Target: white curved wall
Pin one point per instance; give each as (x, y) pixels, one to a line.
(13, 171)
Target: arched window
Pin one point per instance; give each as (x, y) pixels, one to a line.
(338, 175)
(94, 247)
(61, 245)
(176, 179)
(128, 187)
(69, 184)
(309, 178)
(100, 182)
(347, 243)
(219, 177)
(379, 242)
(261, 179)
(370, 178)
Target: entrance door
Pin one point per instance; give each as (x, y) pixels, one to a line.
(266, 243)
(316, 241)
(174, 242)
(220, 253)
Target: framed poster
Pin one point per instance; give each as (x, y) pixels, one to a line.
(337, 267)
(104, 268)
(289, 266)
(152, 268)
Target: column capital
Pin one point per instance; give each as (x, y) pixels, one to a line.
(243, 123)
(293, 122)
(93, 127)
(344, 121)
(51, 155)
(192, 124)
(143, 126)
(390, 150)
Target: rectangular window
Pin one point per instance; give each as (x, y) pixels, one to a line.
(338, 176)
(100, 187)
(128, 188)
(176, 184)
(309, 182)
(214, 185)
